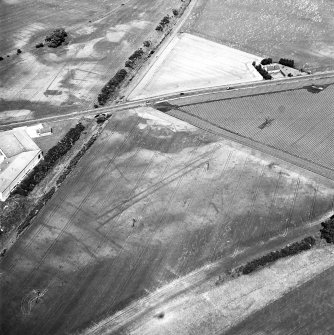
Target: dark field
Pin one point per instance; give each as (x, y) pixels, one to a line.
(302, 30)
(306, 310)
(152, 200)
(102, 35)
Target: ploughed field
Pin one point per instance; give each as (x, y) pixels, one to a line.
(298, 122)
(302, 29)
(102, 35)
(153, 199)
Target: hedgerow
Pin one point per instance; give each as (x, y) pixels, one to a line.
(292, 249)
(109, 89)
(52, 156)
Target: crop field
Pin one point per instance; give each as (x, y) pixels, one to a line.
(153, 199)
(302, 29)
(298, 122)
(191, 62)
(101, 37)
(307, 309)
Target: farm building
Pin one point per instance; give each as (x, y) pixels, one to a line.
(18, 155)
(272, 68)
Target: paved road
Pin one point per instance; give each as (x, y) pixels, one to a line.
(195, 96)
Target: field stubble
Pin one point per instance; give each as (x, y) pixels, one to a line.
(194, 198)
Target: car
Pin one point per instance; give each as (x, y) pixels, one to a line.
(317, 87)
(181, 93)
(228, 87)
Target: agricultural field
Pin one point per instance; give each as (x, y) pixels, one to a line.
(307, 309)
(298, 122)
(302, 29)
(101, 36)
(191, 62)
(152, 200)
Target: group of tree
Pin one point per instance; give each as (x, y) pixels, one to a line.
(266, 61)
(292, 249)
(39, 45)
(175, 12)
(52, 156)
(327, 230)
(109, 89)
(262, 71)
(163, 23)
(147, 44)
(287, 62)
(56, 38)
(135, 56)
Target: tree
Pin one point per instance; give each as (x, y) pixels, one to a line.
(175, 12)
(147, 44)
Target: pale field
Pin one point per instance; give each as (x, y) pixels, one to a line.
(301, 29)
(101, 37)
(189, 62)
(208, 309)
(197, 199)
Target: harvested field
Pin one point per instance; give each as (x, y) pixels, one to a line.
(153, 199)
(307, 309)
(190, 62)
(212, 309)
(302, 30)
(298, 122)
(101, 37)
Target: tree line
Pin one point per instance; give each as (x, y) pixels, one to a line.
(292, 249)
(40, 171)
(109, 89)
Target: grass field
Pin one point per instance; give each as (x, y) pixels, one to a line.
(190, 62)
(102, 35)
(302, 30)
(298, 122)
(153, 199)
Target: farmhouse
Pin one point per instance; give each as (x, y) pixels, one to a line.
(272, 68)
(18, 155)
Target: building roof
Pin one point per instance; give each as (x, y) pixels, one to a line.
(17, 150)
(15, 142)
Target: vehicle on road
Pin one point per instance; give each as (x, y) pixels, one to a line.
(317, 87)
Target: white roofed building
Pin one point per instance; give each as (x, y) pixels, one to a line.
(19, 154)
